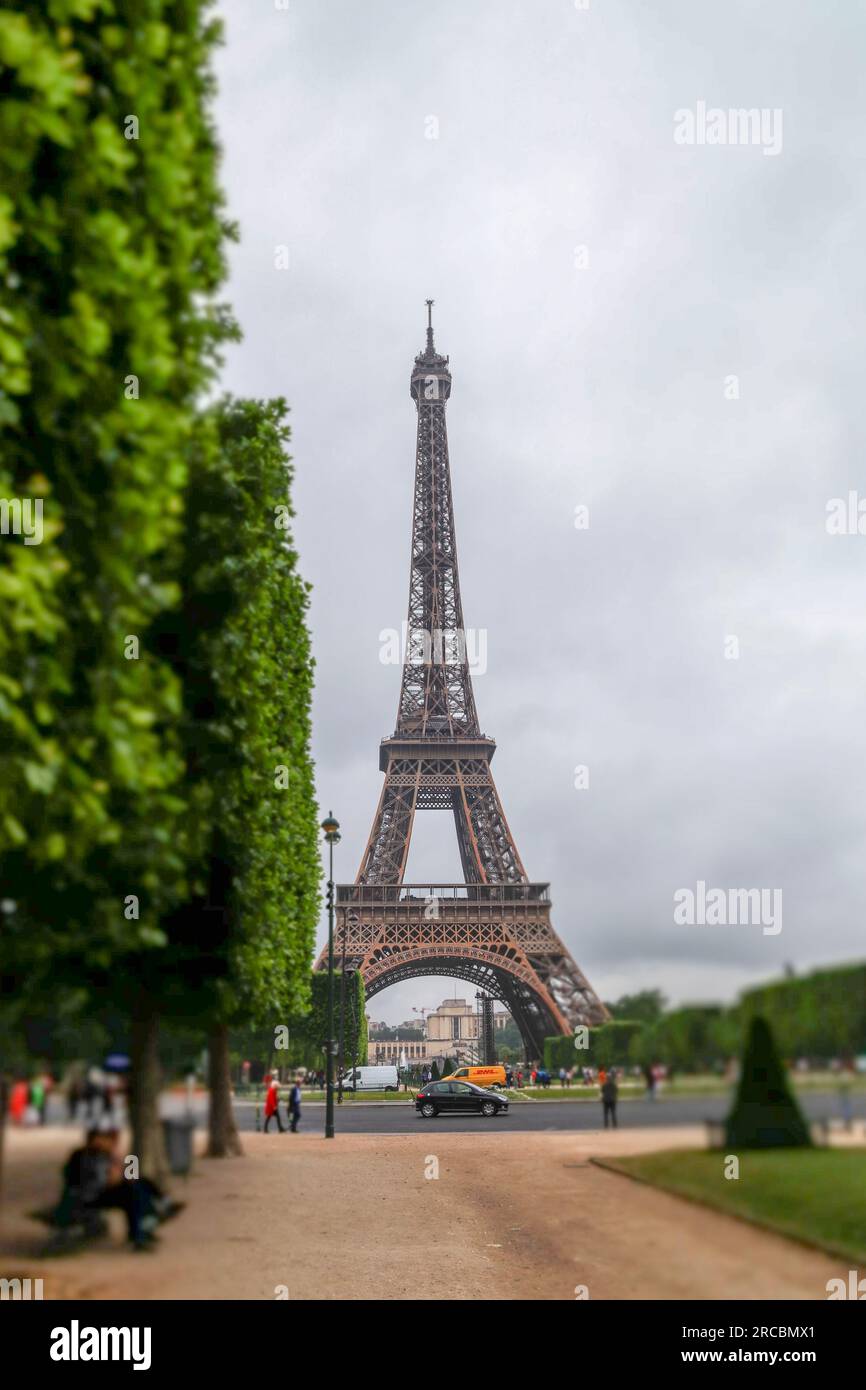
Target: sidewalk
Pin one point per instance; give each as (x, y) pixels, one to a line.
(510, 1216)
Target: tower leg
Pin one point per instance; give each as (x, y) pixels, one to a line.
(387, 849)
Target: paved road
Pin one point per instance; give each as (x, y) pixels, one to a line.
(396, 1118)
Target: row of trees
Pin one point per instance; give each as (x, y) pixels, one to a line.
(818, 1016)
(301, 1041)
(157, 819)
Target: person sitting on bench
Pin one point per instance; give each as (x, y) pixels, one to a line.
(94, 1182)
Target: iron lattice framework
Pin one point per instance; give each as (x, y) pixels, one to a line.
(493, 930)
(486, 1038)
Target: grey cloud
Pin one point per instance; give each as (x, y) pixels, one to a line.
(601, 386)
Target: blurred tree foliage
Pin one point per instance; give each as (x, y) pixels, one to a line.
(111, 250)
(693, 1038)
(240, 645)
(644, 1007)
(308, 1031)
(154, 660)
(820, 1016)
(111, 253)
(765, 1113)
(609, 1046)
(509, 1043)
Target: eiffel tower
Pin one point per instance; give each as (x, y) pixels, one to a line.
(494, 929)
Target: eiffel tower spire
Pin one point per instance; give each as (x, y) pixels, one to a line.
(436, 693)
(494, 929)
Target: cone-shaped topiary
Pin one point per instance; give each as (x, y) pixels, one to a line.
(765, 1114)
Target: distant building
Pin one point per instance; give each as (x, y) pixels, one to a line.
(454, 1021)
(452, 1031)
(381, 1052)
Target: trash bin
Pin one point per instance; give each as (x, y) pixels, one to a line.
(178, 1144)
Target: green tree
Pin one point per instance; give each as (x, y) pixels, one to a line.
(609, 1046)
(764, 1114)
(309, 1029)
(821, 1015)
(240, 648)
(644, 1007)
(112, 241)
(509, 1043)
(692, 1038)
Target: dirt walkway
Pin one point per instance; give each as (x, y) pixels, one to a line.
(510, 1216)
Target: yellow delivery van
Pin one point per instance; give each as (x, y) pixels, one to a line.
(479, 1076)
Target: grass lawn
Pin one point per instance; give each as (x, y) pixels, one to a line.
(628, 1090)
(815, 1195)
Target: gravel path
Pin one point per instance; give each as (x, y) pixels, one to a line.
(510, 1216)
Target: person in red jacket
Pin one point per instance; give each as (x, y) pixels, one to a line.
(272, 1105)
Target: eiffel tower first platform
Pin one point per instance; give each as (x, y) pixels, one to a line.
(493, 929)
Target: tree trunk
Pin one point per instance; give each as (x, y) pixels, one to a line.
(223, 1138)
(144, 1085)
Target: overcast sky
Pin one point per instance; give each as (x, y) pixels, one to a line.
(599, 377)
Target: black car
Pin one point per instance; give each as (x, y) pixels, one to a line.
(458, 1098)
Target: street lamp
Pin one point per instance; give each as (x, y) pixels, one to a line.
(331, 831)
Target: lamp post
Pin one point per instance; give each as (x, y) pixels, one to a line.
(331, 831)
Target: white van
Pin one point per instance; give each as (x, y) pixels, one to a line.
(372, 1079)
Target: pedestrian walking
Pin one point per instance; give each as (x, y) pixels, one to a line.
(272, 1105)
(19, 1099)
(650, 1079)
(845, 1102)
(74, 1095)
(295, 1106)
(38, 1098)
(563, 1076)
(609, 1093)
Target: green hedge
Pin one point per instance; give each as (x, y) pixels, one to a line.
(765, 1114)
(609, 1045)
(821, 1015)
(694, 1038)
(308, 1031)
